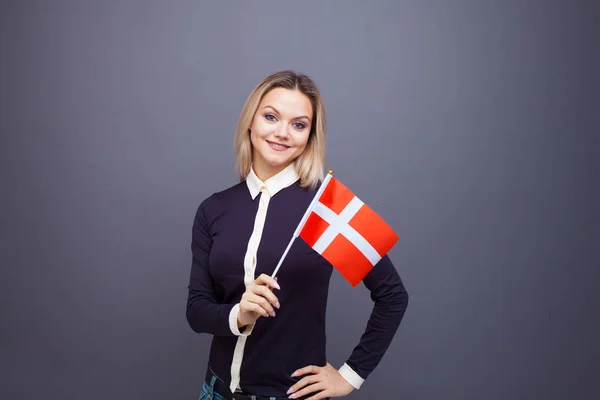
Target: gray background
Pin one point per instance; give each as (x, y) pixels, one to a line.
(471, 126)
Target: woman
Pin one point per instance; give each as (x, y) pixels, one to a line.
(269, 334)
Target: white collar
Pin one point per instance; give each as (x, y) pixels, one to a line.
(274, 184)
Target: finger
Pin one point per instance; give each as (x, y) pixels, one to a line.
(310, 379)
(266, 293)
(251, 303)
(310, 369)
(253, 307)
(262, 302)
(264, 279)
(250, 308)
(309, 389)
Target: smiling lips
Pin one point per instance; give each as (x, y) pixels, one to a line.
(277, 146)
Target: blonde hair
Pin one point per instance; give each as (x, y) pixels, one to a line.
(310, 164)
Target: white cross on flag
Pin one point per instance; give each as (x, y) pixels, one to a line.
(345, 231)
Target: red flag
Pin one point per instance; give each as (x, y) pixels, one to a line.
(346, 232)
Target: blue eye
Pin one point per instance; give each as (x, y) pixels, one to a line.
(270, 117)
(299, 125)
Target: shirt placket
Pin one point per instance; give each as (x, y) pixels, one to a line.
(250, 261)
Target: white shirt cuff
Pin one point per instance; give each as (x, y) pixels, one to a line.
(352, 377)
(233, 322)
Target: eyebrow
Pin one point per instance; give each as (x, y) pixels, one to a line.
(274, 109)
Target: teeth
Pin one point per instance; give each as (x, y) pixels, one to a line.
(280, 146)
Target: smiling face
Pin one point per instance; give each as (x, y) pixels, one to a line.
(280, 130)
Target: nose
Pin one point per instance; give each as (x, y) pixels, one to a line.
(281, 131)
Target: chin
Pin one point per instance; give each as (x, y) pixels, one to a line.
(276, 160)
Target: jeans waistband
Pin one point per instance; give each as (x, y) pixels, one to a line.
(214, 388)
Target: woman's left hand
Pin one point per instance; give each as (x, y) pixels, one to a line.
(327, 381)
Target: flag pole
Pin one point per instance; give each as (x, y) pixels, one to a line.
(303, 220)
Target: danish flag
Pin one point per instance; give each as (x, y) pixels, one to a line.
(345, 231)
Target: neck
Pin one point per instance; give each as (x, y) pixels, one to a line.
(265, 172)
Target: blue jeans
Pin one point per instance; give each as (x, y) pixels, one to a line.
(213, 385)
(208, 388)
(208, 391)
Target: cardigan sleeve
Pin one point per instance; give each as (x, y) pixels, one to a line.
(390, 302)
(205, 313)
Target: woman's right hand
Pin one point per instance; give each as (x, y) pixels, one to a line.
(258, 301)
